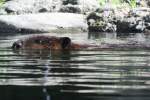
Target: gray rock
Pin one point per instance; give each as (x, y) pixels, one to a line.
(135, 21)
(83, 6)
(148, 3)
(139, 12)
(109, 20)
(130, 25)
(45, 22)
(70, 9)
(103, 20)
(88, 5)
(147, 22)
(31, 6)
(36, 6)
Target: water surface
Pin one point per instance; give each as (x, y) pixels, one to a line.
(75, 75)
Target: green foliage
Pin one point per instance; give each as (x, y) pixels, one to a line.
(1, 2)
(112, 2)
(132, 3)
(116, 3)
(102, 2)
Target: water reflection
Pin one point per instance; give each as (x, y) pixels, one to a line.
(95, 35)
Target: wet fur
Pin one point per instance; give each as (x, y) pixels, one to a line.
(46, 42)
(65, 43)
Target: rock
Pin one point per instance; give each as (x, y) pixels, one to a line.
(148, 3)
(31, 6)
(10, 28)
(88, 5)
(130, 25)
(147, 22)
(102, 21)
(139, 12)
(81, 6)
(111, 20)
(73, 2)
(70, 9)
(36, 6)
(45, 22)
(135, 21)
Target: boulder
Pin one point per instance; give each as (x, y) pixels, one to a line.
(130, 25)
(70, 8)
(103, 20)
(30, 6)
(111, 20)
(36, 6)
(137, 20)
(45, 22)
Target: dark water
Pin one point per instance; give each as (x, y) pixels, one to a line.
(74, 75)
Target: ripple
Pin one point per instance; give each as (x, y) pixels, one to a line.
(99, 74)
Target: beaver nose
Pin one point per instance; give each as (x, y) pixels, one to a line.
(17, 45)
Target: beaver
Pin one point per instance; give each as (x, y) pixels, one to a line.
(47, 42)
(65, 43)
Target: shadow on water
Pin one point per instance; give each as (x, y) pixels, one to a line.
(74, 75)
(37, 93)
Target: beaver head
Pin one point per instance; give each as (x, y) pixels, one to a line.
(43, 42)
(17, 45)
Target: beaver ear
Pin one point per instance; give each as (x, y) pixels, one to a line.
(17, 45)
(65, 42)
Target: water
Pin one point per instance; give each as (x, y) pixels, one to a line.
(74, 75)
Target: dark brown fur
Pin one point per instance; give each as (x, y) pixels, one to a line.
(64, 43)
(46, 42)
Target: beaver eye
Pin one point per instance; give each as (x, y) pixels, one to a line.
(17, 45)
